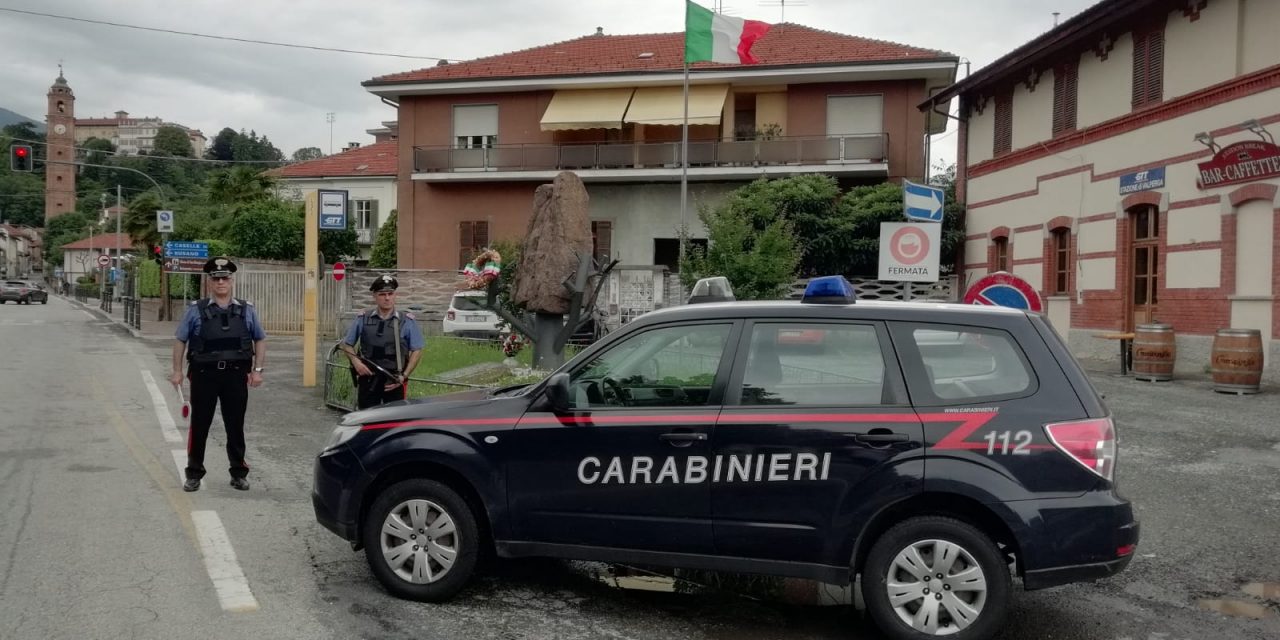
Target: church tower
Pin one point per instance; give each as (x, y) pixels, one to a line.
(60, 133)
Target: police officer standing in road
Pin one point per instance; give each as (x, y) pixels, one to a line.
(382, 363)
(226, 351)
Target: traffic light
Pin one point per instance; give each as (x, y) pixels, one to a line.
(21, 158)
(157, 254)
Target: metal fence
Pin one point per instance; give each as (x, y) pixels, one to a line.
(277, 296)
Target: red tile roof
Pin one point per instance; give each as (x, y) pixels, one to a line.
(101, 241)
(377, 159)
(785, 45)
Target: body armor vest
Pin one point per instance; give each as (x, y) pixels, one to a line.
(378, 340)
(224, 334)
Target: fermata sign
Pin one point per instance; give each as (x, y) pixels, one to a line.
(909, 251)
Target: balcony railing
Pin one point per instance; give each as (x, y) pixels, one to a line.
(364, 236)
(851, 149)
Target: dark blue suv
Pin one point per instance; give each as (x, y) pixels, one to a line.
(933, 450)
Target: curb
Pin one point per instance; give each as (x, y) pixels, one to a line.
(106, 316)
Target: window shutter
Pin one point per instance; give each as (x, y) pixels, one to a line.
(602, 230)
(1155, 67)
(373, 214)
(1139, 69)
(1064, 98)
(465, 238)
(1004, 123)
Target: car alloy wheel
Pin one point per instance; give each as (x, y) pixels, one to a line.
(419, 541)
(932, 576)
(936, 587)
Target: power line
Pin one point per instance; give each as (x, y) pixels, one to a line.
(213, 37)
(117, 154)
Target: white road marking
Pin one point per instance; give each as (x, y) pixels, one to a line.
(220, 561)
(167, 425)
(180, 460)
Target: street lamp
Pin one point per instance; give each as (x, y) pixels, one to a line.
(1205, 138)
(1256, 128)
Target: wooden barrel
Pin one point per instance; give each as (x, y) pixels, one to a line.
(1153, 352)
(1236, 362)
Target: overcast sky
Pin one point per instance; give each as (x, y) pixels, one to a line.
(285, 93)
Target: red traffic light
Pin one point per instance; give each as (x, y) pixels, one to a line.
(20, 158)
(21, 152)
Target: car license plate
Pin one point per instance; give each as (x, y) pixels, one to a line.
(476, 318)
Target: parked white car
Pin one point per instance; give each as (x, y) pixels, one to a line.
(466, 317)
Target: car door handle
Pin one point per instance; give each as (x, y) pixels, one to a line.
(683, 436)
(881, 437)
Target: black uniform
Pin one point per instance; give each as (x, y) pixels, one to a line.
(220, 353)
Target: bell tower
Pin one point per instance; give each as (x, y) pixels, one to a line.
(60, 134)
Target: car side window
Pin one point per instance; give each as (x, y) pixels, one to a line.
(972, 363)
(813, 364)
(663, 367)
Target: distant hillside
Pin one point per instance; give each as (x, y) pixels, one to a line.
(8, 117)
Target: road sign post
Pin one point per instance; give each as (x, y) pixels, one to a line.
(922, 202)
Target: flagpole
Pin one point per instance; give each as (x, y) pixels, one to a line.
(684, 162)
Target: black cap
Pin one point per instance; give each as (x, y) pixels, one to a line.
(384, 281)
(220, 267)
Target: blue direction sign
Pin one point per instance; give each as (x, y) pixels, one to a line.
(922, 202)
(186, 250)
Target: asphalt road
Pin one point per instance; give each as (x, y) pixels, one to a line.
(97, 540)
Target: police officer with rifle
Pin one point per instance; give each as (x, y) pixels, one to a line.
(389, 347)
(226, 352)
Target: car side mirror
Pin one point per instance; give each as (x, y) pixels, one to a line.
(557, 392)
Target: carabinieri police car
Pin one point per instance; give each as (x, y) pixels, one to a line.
(935, 450)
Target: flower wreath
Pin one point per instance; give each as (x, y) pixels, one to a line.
(482, 269)
(512, 344)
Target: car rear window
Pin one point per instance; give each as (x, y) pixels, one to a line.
(467, 303)
(971, 364)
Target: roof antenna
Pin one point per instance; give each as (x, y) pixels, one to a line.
(1055, 19)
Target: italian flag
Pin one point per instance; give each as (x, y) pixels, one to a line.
(719, 38)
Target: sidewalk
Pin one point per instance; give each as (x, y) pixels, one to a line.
(152, 329)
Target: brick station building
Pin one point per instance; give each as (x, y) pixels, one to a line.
(1124, 163)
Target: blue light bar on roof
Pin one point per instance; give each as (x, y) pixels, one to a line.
(829, 290)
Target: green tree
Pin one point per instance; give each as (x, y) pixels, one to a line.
(172, 141)
(271, 229)
(239, 186)
(221, 147)
(383, 255)
(756, 250)
(307, 153)
(811, 204)
(64, 229)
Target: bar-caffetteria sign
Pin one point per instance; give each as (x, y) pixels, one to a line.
(1240, 162)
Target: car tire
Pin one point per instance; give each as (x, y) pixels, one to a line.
(415, 573)
(905, 608)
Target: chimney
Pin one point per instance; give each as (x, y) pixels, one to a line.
(441, 62)
(352, 145)
(599, 31)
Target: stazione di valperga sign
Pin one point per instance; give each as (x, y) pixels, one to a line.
(1240, 162)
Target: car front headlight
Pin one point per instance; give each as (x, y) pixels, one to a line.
(341, 434)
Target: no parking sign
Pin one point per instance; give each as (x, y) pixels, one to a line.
(1002, 289)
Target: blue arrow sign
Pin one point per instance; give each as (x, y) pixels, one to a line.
(922, 202)
(189, 246)
(186, 250)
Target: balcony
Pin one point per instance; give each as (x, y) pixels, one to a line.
(853, 155)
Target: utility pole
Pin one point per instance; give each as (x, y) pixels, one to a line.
(116, 268)
(329, 117)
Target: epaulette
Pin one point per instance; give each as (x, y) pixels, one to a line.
(409, 315)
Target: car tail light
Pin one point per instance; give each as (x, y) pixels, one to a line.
(1092, 443)
(451, 315)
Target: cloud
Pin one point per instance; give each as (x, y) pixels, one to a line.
(285, 93)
